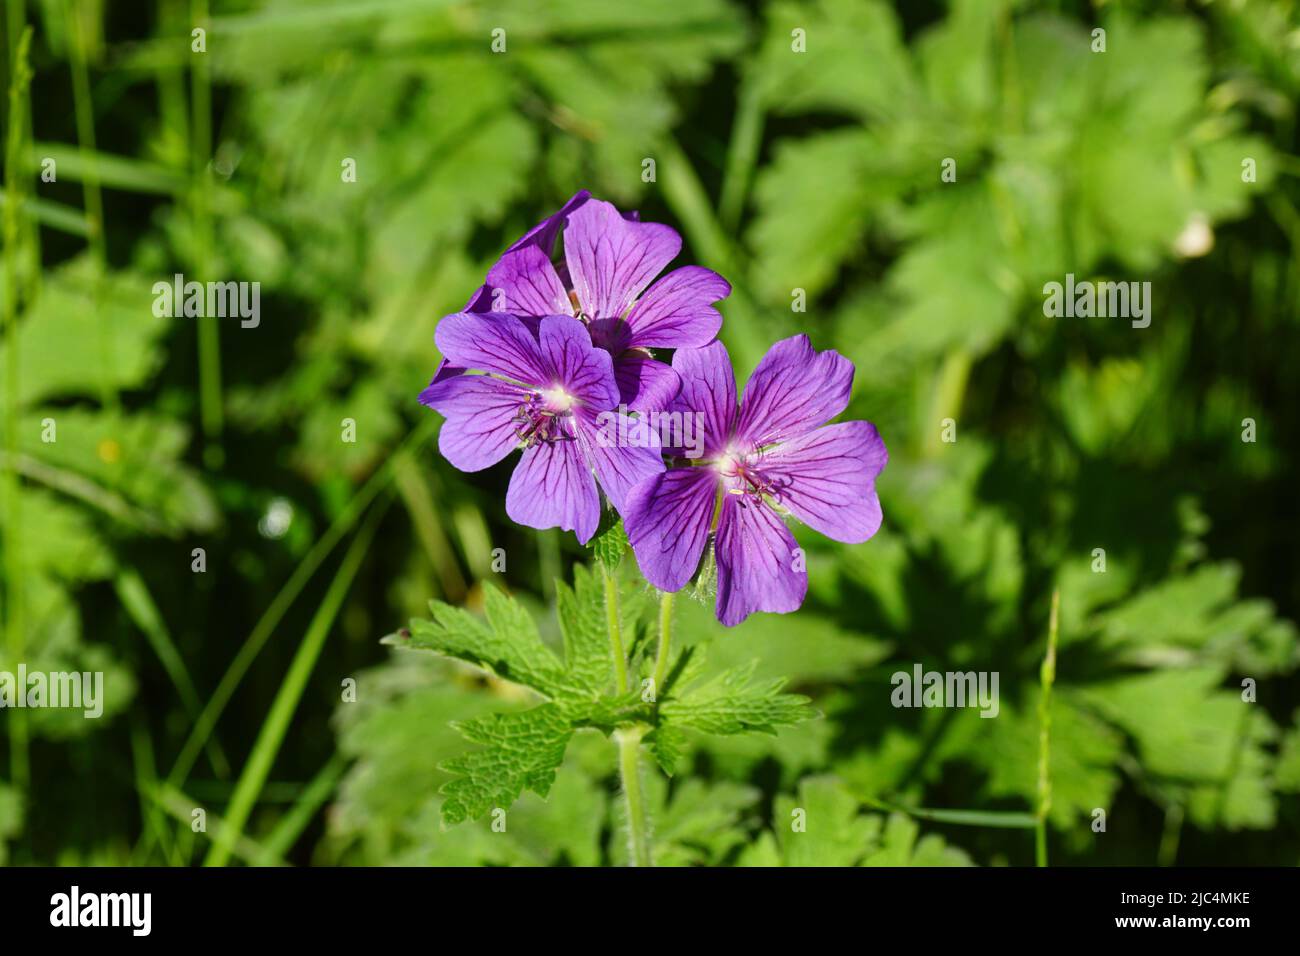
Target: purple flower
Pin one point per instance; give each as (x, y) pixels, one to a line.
(773, 455)
(546, 389)
(610, 261)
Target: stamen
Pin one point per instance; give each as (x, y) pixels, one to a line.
(538, 420)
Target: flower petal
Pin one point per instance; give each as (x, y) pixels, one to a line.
(645, 384)
(493, 342)
(622, 450)
(756, 562)
(553, 487)
(444, 371)
(667, 519)
(543, 234)
(525, 283)
(827, 478)
(793, 390)
(575, 365)
(709, 390)
(677, 312)
(612, 259)
(480, 301)
(480, 410)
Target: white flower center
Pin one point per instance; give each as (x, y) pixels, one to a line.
(558, 400)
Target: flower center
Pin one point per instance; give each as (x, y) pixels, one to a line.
(557, 400)
(545, 417)
(742, 476)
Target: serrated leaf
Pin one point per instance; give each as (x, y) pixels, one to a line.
(88, 335)
(505, 644)
(899, 846)
(732, 704)
(822, 826)
(521, 752)
(610, 544)
(1194, 734)
(666, 743)
(581, 610)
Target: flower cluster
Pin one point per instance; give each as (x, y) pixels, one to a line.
(565, 346)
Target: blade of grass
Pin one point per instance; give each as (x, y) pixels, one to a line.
(689, 201)
(181, 807)
(106, 169)
(169, 78)
(419, 504)
(83, 489)
(742, 153)
(315, 17)
(10, 537)
(55, 215)
(313, 796)
(270, 619)
(1047, 677)
(83, 108)
(276, 724)
(969, 818)
(146, 779)
(209, 336)
(139, 604)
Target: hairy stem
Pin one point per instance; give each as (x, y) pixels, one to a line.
(629, 768)
(615, 628)
(665, 640)
(627, 738)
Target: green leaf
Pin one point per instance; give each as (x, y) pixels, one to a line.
(666, 743)
(1196, 735)
(1286, 773)
(841, 36)
(804, 231)
(581, 610)
(899, 846)
(698, 824)
(1084, 753)
(822, 826)
(733, 704)
(521, 752)
(610, 544)
(505, 644)
(88, 334)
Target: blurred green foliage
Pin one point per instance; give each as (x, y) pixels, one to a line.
(813, 175)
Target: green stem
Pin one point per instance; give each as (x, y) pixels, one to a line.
(1047, 677)
(629, 768)
(627, 738)
(665, 640)
(615, 628)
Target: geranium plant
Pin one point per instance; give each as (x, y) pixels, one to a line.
(545, 357)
